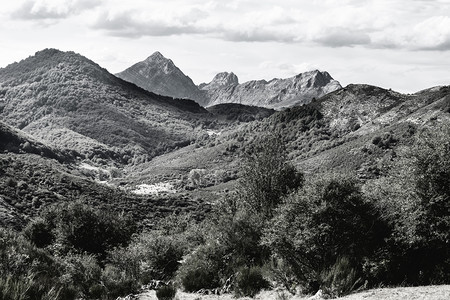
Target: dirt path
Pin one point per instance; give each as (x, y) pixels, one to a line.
(439, 292)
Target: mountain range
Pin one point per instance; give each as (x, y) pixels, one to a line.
(70, 129)
(159, 75)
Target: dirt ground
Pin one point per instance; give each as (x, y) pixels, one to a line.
(439, 292)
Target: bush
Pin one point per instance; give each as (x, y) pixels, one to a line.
(27, 272)
(340, 279)
(328, 218)
(117, 283)
(202, 269)
(83, 273)
(76, 226)
(267, 177)
(159, 255)
(249, 282)
(166, 292)
(415, 200)
(39, 233)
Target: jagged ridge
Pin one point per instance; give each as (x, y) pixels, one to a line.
(159, 75)
(277, 93)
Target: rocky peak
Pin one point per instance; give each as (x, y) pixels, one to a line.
(161, 76)
(164, 64)
(225, 79)
(314, 79)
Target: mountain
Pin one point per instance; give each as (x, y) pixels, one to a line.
(160, 75)
(276, 93)
(70, 102)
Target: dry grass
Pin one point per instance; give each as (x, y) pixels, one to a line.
(436, 292)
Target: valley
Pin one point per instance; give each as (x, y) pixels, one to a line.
(174, 159)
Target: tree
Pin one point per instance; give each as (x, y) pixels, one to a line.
(327, 220)
(415, 200)
(267, 176)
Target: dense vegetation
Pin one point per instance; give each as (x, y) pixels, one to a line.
(330, 232)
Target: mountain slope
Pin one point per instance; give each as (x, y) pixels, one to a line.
(72, 103)
(160, 75)
(357, 129)
(277, 93)
(34, 176)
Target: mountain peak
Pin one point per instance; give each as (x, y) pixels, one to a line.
(157, 56)
(160, 75)
(48, 52)
(225, 79)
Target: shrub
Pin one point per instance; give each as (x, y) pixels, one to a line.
(83, 273)
(202, 269)
(159, 255)
(328, 218)
(267, 177)
(340, 279)
(39, 233)
(27, 272)
(250, 281)
(166, 292)
(415, 200)
(80, 227)
(117, 283)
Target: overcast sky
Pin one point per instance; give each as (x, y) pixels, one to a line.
(398, 44)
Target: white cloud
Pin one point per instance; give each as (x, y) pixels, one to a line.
(52, 9)
(412, 25)
(342, 37)
(432, 34)
(372, 41)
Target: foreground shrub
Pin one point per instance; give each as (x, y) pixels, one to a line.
(202, 269)
(27, 272)
(166, 292)
(117, 283)
(249, 282)
(83, 273)
(340, 279)
(39, 232)
(160, 255)
(77, 226)
(328, 218)
(415, 201)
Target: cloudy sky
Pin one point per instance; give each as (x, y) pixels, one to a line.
(398, 44)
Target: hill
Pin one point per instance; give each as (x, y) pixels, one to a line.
(34, 176)
(357, 129)
(68, 101)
